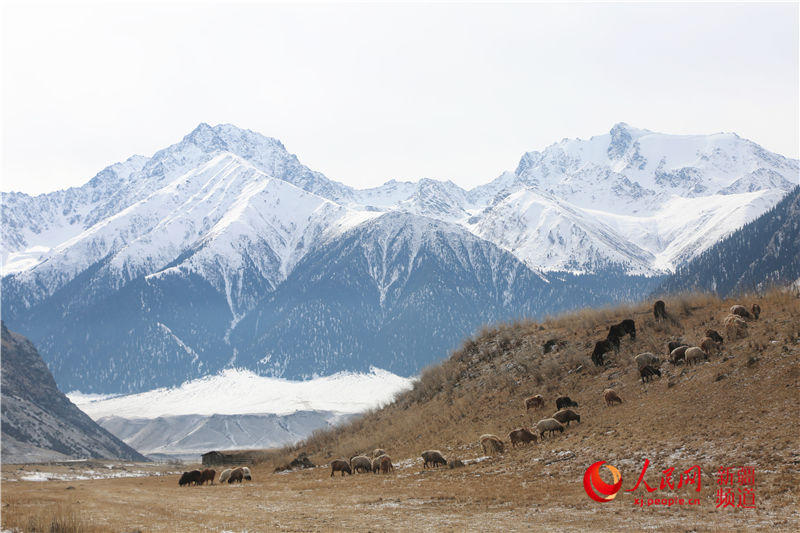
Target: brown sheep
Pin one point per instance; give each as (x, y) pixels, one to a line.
(491, 444)
(340, 465)
(565, 416)
(207, 475)
(735, 327)
(756, 310)
(714, 335)
(521, 436)
(611, 396)
(694, 355)
(236, 475)
(660, 310)
(386, 464)
(534, 401)
(649, 372)
(434, 458)
(709, 346)
(741, 311)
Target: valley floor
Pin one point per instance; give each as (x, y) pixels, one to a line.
(529, 489)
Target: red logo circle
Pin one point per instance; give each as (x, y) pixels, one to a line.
(593, 484)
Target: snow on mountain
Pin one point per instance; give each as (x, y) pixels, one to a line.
(237, 391)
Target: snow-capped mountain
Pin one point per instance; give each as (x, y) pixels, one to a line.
(224, 250)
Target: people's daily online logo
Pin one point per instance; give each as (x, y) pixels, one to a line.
(596, 488)
(736, 486)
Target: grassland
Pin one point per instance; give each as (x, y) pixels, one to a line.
(740, 408)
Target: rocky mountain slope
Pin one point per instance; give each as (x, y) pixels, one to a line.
(39, 423)
(201, 257)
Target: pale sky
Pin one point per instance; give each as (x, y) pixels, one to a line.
(369, 92)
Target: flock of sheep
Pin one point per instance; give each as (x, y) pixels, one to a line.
(231, 475)
(647, 363)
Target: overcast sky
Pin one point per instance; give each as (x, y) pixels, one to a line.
(370, 92)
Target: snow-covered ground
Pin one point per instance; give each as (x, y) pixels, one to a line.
(237, 392)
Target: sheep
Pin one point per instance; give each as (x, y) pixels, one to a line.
(565, 401)
(548, 425)
(646, 359)
(660, 310)
(674, 344)
(735, 327)
(376, 464)
(434, 458)
(565, 416)
(246, 472)
(648, 372)
(377, 452)
(223, 477)
(756, 310)
(741, 311)
(611, 396)
(626, 327)
(207, 475)
(600, 349)
(491, 444)
(694, 354)
(520, 436)
(714, 335)
(191, 477)
(340, 465)
(534, 401)
(386, 464)
(678, 354)
(709, 346)
(360, 463)
(236, 475)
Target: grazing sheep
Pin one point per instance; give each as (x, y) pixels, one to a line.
(660, 310)
(646, 359)
(678, 354)
(611, 396)
(223, 477)
(649, 372)
(756, 309)
(236, 475)
(386, 464)
(565, 416)
(433, 457)
(491, 444)
(247, 474)
(191, 477)
(712, 334)
(534, 401)
(377, 452)
(694, 355)
(208, 475)
(376, 464)
(630, 327)
(709, 346)
(565, 401)
(360, 463)
(521, 436)
(674, 344)
(600, 349)
(741, 311)
(550, 425)
(340, 465)
(735, 327)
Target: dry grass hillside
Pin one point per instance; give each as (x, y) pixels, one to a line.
(738, 409)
